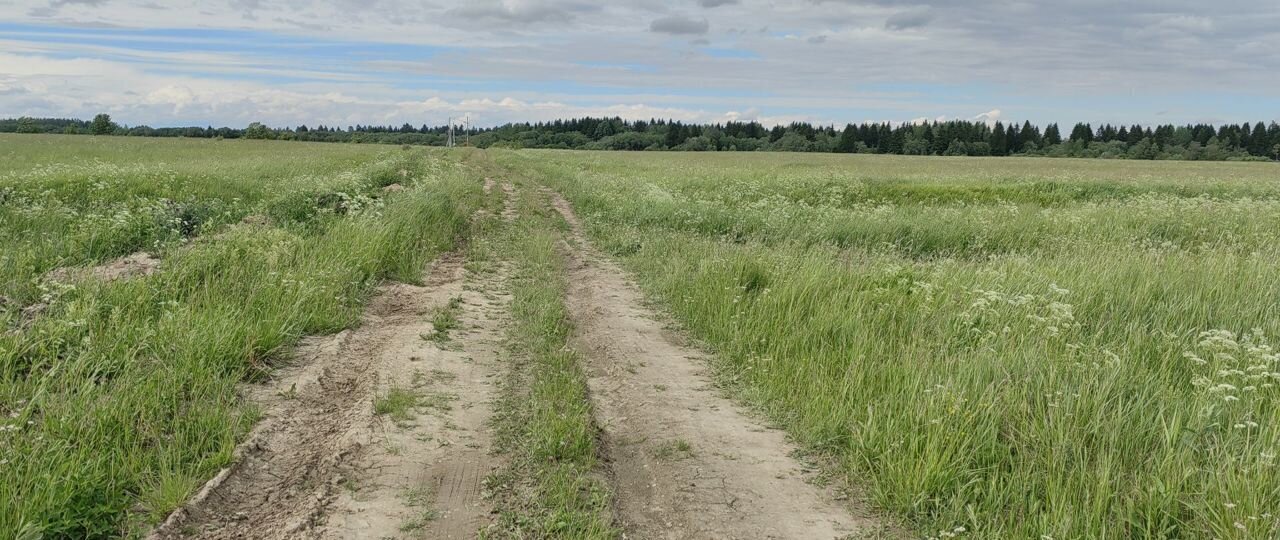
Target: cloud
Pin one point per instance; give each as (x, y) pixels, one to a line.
(516, 11)
(81, 88)
(678, 25)
(60, 3)
(990, 117)
(905, 20)
(819, 58)
(1186, 23)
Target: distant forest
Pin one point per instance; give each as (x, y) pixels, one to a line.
(1231, 142)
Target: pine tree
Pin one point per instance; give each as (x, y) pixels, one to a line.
(999, 140)
(1083, 133)
(1030, 134)
(848, 140)
(1258, 140)
(1013, 138)
(1052, 137)
(675, 135)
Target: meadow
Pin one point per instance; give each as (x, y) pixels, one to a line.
(980, 348)
(119, 398)
(1016, 348)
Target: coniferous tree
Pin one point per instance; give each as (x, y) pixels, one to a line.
(1052, 136)
(675, 135)
(1258, 140)
(848, 140)
(1030, 135)
(999, 140)
(1082, 133)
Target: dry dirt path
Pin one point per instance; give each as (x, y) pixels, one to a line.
(322, 464)
(685, 461)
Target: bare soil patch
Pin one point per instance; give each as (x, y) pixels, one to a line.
(686, 462)
(376, 432)
(133, 265)
(509, 212)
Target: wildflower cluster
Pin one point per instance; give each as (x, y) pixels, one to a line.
(1239, 373)
(12, 424)
(994, 313)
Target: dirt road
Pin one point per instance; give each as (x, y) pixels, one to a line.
(339, 454)
(376, 432)
(685, 461)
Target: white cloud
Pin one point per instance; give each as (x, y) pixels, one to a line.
(990, 117)
(182, 100)
(816, 58)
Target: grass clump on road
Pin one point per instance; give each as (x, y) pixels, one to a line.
(443, 320)
(551, 488)
(398, 404)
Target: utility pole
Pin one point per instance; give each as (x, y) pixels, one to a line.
(468, 128)
(449, 142)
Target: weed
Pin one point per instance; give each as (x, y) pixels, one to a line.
(673, 450)
(443, 320)
(550, 488)
(398, 404)
(421, 498)
(420, 520)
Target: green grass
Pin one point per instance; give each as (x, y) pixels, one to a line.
(120, 398)
(398, 404)
(421, 499)
(444, 319)
(674, 450)
(551, 487)
(1024, 348)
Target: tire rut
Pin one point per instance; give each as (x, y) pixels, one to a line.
(686, 462)
(322, 464)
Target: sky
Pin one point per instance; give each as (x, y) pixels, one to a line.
(346, 62)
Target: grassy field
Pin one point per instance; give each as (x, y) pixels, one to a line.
(986, 348)
(118, 398)
(991, 348)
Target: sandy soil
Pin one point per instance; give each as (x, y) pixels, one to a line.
(136, 264)
(685, 461)
(322, 464)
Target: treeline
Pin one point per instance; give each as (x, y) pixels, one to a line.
(1260, 141)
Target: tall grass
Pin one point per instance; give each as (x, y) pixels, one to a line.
(67, 201)
(120, 398)
(1025, 349)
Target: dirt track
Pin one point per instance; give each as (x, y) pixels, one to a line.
(322, 464)
(685, 461)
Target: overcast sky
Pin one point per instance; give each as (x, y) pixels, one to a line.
(340, 62)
